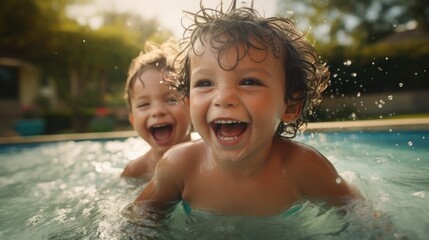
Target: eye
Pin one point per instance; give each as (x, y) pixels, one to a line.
(172, 101)
(251, 82)
(142, 105)
(203, 83)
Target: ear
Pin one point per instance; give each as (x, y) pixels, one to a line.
(131, 118)
(292, 111)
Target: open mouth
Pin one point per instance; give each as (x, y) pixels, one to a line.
(228, 130)
(161, 132)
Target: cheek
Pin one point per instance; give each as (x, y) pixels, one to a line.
(139, 117)
(181, 113)
(197, 114)
(196, 104)
(270, 107)
(261, 103)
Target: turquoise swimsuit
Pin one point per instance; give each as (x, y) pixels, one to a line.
(186, 208)
(292, 210)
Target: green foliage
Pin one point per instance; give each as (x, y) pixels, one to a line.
(364, 21)
(86, 63)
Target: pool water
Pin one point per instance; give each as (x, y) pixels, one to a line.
(72, 190)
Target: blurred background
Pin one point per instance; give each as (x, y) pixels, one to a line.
(63, 63)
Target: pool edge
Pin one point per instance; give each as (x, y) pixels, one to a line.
(406, 124)
(67, 137)
(363, 125)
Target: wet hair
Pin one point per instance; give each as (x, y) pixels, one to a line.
(155, 56)
(305, 77)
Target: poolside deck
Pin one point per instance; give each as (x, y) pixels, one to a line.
(366, 125)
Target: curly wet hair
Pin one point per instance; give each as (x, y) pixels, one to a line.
(305, 77)
(154, 56)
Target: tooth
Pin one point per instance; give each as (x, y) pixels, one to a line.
(226, 121)
(227, 138)
(161, 125)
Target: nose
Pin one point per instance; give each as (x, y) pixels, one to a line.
(226, 97)
(158, 110)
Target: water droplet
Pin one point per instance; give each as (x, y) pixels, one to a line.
(354, 74)
(338, 180)
(410, 143)
(390, 97)
(347, 63)
(358, 94)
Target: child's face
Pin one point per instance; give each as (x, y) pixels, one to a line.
(237, 111)
(158, 118)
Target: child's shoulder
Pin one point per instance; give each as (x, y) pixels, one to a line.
(302, 155)
(139, 167)
(296, 147)
(184, 154)
(185, 149)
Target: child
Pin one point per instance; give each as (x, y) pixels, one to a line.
(161, 119)
(249, 82)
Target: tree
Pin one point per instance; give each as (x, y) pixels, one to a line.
(96, 60)
(357, 22)
(24, 25)
(85, 63)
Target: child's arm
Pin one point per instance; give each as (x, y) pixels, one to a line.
(161, 194)
(164, 190)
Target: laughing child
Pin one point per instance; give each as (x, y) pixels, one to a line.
(249, 82)
(157, 115)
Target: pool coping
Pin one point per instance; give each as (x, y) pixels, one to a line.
(362, 125)
(405, 124)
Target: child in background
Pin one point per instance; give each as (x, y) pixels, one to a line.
(155, 112)
(249, 82)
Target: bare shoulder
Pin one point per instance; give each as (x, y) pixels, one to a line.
(314, 175)
(182, 157)
(139, 167)
(301, 156)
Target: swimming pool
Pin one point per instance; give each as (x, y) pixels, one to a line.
(71, 190)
